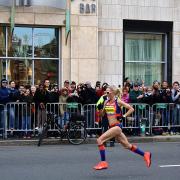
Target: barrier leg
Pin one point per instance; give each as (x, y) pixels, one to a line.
(5, 123)
(151, 120)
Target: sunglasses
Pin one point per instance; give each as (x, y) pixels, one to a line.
(4, 82)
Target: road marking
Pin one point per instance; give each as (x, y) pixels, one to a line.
(170, 165)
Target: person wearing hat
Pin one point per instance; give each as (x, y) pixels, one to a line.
(4, 98)
(135, 95)
(4, 92)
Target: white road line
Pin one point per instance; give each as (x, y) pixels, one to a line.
(169, 166)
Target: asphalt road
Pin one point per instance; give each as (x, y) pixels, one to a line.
(68, 162)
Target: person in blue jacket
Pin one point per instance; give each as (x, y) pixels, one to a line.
(4, 92)
(4, 98)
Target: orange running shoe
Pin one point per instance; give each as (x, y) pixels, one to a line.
(147, 158)
(101, 165)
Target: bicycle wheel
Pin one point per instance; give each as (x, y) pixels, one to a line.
(42, 133)
(76, 133)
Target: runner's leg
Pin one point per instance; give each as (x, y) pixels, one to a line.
(121, 138)
(113, 132)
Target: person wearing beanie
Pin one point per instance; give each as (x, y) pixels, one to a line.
(4, 98)
(4, 92)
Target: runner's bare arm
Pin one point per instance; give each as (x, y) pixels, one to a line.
(127, 106)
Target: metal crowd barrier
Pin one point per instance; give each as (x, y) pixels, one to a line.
(24, 118)
(166, 116)
(89, 111)
(20, 117)
(63, 112)
(139, 121)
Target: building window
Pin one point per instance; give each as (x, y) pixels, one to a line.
(2, 41)
(45, 69)
(20, 43)
(145, 57)
(45, 43)
(3, 68)
(20, 71)
(29, 55)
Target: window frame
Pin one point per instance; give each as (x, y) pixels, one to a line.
(58, 58)
(164, 51)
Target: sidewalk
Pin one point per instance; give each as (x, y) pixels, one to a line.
(55, 141)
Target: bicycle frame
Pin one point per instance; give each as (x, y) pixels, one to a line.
(75, 131)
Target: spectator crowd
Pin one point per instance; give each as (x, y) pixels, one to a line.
(85, 93)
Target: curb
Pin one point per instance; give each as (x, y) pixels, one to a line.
(154, 139)
(53, 141)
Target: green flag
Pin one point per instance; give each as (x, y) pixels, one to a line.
(12, 18)
(67, 19)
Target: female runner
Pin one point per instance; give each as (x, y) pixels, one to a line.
(112, 108)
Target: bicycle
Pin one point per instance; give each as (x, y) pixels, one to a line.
(75, 130)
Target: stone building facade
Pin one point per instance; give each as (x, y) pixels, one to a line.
(104, 36)
(112, 15)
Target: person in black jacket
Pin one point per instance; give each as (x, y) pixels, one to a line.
(148, 96)
(40, 98)
(53, 95)
(89, 97)
(161, 96)
(166, 92)
(156, 93)
(52, 106)
(80, 92)
(27, 98)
